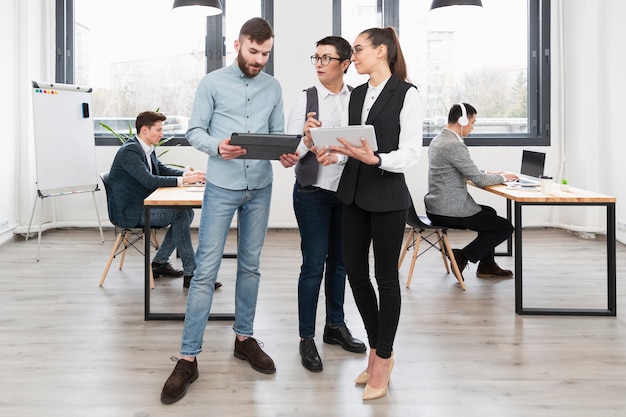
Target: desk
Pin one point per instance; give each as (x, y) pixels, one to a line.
(574, 197)
(171, 197)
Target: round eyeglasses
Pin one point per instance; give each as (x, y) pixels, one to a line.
(324, 59)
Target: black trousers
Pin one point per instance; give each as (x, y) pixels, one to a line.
(492, 230)
(384, 232)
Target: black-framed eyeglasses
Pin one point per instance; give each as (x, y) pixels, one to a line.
(324, 59)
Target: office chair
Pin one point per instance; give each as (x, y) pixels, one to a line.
(126, 237)
(423, 230)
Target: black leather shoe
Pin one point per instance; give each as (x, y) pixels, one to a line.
(176, 385)
(310, 358)
(342, 336)
(187, 282)
(166, 270)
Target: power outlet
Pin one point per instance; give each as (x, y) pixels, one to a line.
(4, 224)
(621, 225)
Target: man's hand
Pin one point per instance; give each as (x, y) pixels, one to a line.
(509, 176)
(228, 151)
(289, 159)
(194, 177)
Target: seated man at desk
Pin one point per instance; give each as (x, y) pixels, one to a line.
(449, 204)
(135, 173)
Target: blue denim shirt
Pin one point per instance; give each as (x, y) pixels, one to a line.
(227, 101)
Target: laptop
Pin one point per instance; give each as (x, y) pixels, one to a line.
(532, 168)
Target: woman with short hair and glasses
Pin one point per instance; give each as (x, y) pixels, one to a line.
(374, 193)
(315, 203)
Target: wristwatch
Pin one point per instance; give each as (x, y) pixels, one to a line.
(377, 164)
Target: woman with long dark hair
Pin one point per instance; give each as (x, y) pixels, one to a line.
(374, 193)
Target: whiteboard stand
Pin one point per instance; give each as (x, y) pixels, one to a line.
(65, 150)
(41, 196)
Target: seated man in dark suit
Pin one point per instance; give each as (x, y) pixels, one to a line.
(135, 174)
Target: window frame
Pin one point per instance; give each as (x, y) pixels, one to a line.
(214, 42)
(538, 74)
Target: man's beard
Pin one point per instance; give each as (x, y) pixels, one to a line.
(245, 68)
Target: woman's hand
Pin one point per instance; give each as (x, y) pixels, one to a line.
(325, 156)
(363, 153)
(311, 121)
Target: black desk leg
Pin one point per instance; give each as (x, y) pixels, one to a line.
(509, 241)
(611, 259)
(147, 266)
(518, 258)
(169, 316)
(611, 309)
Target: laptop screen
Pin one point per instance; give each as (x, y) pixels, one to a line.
(532, 163)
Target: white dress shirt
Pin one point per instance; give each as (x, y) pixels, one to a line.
(333, 112)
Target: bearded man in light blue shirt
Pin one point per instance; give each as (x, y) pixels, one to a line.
(238, 98)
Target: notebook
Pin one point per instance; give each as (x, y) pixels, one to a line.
(532, 168)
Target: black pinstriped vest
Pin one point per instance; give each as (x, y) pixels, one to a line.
(367, 186)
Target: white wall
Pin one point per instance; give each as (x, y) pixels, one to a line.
(8, 167)
(587, 74)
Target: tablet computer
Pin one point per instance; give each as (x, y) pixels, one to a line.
(265, 145)
(327, 136)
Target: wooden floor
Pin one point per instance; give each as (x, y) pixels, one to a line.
(70, 348)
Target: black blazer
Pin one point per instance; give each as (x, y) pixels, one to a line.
(130, 182)
(367, 186)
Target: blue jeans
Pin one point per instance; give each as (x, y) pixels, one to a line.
(318, 213)
(178, 235)
(218, 208)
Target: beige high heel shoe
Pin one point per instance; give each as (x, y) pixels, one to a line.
(362, 379)
(370, 393)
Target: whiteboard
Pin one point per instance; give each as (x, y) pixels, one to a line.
(64, 139)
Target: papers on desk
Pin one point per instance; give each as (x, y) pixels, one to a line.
(514, 185)
(195, 189)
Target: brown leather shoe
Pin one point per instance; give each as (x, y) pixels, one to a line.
(492, 270)
(166, 270)
(175, 387)
(250, 350)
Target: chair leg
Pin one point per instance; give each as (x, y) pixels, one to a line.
(106, 268)
(154, 238)
(126, 244)
(455, 267)
(409, 240)
(416, 249)
(442, 249)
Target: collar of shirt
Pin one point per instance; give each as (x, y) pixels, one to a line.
(325, 92)
(370, 98)
(148, 149)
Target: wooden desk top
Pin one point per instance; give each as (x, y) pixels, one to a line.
(176, 196)
(534, 195)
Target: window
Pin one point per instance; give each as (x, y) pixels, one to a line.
(142, 55)
(496, 58)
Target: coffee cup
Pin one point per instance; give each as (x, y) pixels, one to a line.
(546, 184)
